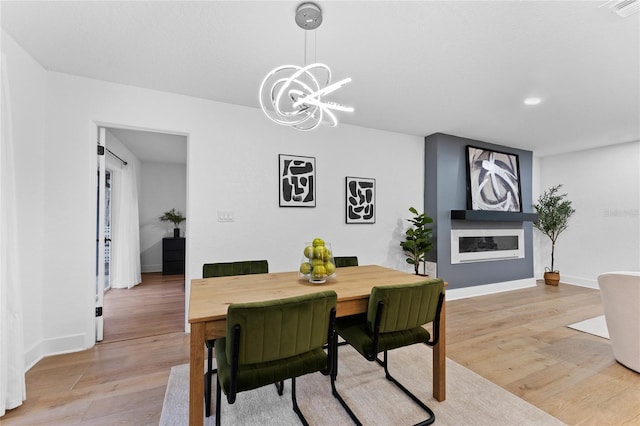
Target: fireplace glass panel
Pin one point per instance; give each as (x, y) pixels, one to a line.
(493, 243)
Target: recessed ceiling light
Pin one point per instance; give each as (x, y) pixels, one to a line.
(532, 101)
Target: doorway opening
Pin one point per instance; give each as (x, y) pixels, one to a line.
(153, 303)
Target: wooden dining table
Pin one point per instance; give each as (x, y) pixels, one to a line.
(211, 297)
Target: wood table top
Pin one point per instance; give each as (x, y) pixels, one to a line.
(211, 297)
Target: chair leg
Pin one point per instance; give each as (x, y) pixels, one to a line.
(385, 364)
(334, 390)
(296, 409)
(218, 402)
(207, 381)
(207, 394)
(280, 387)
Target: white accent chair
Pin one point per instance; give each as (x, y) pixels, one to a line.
(620, 292)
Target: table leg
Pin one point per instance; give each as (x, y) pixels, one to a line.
(439, 359)
(196, 375)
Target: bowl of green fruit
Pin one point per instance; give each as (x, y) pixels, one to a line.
(317, 262)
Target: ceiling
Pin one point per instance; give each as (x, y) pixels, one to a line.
(418, 67)
(153, 147)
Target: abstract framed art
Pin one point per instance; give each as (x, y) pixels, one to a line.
(493, 180)
(297, 181)
(360, 200)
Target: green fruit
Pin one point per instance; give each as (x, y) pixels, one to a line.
(305, 268)
(318, 252)
(327, 254)
(330, 268)
(316, 262)
(308, 252)
(318, 242)
(319, 271)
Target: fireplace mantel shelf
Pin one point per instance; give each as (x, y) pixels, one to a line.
(493, 216)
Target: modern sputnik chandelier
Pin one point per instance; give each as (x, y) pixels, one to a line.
(292, 95)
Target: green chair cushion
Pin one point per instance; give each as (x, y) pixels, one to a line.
(342, 261)
(253, 376)
(226, 269)
(354, 330)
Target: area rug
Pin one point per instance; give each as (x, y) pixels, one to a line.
(596, 326)
(471, 399)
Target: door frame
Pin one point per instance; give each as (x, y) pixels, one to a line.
(95, 126)
(100, 234)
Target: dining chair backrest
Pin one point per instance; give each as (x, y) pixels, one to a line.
(342, 261)
(405, 306)
(283, 328)
(225, 269)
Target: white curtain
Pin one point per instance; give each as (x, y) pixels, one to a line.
(12, 383)
(125, 228)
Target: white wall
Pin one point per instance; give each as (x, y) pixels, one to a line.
(163, 187)
(232, 165)
(27, 80)
(604, 233)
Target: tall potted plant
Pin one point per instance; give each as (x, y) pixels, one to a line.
(418, 240)
(554, 211)
(174, 217)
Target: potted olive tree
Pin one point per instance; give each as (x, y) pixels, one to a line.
(418, 240)
(174, 217)
(554, 211)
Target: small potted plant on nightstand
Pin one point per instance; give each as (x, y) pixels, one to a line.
(418, 240)
(174, 217)
(554, 211)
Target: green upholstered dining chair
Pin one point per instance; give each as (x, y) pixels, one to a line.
(342, 261)
(225, 269)
(271, 341)
(394, 318)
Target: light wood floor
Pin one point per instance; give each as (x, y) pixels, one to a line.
(149, 309)
(516, 339)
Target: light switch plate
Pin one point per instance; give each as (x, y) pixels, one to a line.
(225, 216)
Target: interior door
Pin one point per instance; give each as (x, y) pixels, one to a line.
(100, 234)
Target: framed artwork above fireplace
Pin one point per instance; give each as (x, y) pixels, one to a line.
(493, 180)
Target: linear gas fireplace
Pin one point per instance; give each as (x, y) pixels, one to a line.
(483, 245)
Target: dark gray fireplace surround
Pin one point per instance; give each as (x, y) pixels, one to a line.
(445, 190)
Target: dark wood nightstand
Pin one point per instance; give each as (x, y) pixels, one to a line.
(173, 256)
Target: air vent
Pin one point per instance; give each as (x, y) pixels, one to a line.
(623, 8)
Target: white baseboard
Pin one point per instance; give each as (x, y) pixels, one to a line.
(150, 268)
(582, 282)
(568, 279)
(482, 290)
(57, 346)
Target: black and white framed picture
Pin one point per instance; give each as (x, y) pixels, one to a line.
(493, 180)
(297, 181)
(360, 200)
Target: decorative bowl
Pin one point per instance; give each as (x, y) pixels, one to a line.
(317, 264)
